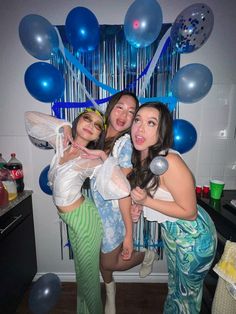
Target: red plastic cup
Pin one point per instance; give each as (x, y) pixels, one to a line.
(206, 189)
(198, 190)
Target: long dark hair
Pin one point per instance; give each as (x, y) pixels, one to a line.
(98, 144)
(109, 142)
(141, 172)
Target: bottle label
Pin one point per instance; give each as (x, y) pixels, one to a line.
(17, 174)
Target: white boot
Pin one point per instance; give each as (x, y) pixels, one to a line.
(110, 306)
(146, 267)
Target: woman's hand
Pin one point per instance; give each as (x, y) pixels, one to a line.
(139, 195)
(136, 210)
(91, 153)
(127, 248)
(67, 135)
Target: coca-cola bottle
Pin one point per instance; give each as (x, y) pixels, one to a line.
(2, 161)
(16, 169)
(8, 182)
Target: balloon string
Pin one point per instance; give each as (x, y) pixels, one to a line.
(154, 61)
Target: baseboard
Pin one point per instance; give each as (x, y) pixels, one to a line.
(118, 276)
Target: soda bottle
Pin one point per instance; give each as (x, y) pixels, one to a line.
(8, 182)
(4, 198)
(16, 169)
(2, 160)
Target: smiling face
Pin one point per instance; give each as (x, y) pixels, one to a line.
(122, 115)
(144, 130)
(89, 127)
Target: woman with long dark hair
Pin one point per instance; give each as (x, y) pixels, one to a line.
(188, 233)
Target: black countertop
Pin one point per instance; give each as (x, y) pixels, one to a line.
(20, 197)
(222, 213)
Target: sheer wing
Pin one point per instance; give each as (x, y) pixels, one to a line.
(111, 183)
(45, 127)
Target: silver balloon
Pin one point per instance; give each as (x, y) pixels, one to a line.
(159, 165)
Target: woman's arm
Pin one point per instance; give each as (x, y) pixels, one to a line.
(91, 153)
(178, 181)
(45, 127)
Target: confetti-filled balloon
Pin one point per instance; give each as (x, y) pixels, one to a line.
(192, 28)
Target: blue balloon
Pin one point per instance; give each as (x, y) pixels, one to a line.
(38, 36)
(191, 83)
(82, 29)
(192, 28)
(184, 135)
(44, 294)
(43, 181)
(44, 82)
(143, 22)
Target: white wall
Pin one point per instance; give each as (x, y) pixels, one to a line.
(214, 116)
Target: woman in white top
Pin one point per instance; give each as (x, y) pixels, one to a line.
(188, 233)
(68, 171)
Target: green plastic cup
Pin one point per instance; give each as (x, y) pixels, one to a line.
(216, 189)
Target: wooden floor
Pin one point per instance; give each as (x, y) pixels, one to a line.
(131, 298)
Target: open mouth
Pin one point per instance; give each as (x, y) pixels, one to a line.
(120, 123)
(139, 140)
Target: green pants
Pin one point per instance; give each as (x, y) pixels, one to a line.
(85, 234)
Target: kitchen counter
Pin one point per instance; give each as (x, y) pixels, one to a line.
(20, 197)
(18, 264)
(224, 216)
(222, 213)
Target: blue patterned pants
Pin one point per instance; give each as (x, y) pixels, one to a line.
(190, 248)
